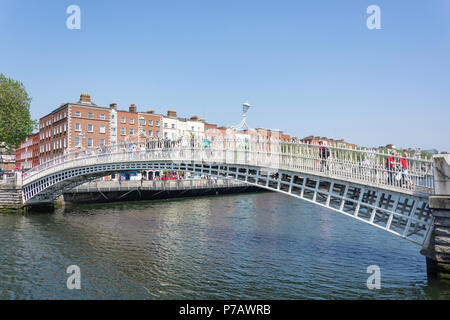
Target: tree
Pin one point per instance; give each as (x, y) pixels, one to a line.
(15, 120)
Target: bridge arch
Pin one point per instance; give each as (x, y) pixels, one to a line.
(404, 214)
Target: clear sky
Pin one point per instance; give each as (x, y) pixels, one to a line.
(306, 67)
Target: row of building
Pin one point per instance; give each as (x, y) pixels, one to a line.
(83, 124)
(311, 139)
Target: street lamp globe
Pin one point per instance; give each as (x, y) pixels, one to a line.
(245, 107)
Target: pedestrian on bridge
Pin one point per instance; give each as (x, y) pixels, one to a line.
(324, 153)
(390, 167)
(404, 167)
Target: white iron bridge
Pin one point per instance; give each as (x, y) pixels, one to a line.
(353, 182)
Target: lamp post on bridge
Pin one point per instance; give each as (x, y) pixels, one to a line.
(243, 124)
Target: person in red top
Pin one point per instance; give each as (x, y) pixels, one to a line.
(404, 166)
(390, 167)
(403, 162)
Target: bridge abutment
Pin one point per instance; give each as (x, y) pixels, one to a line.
(437, 251)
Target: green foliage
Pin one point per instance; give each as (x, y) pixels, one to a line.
(15, 121)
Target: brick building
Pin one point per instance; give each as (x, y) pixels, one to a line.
(214, 133)
(327, 141)
(83, 124)
(28, 153)
(135, 127)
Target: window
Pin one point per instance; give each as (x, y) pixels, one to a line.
(77, 142)
(90, 115)
(192, 129)
(165, 125)
(102, 129)
(157, 123)
(122, 120)
(122, 143)
(77, 126)
(173, 125)
(157, 133)
(131, 131)
(150, 122)
(143, 132)
(90, 142)
(102, 116)
(122, 131)
(77, 114)
(131, 120)
(165, 135)
(150, 133)
(143, 122)
(102, 142)
(90, 128)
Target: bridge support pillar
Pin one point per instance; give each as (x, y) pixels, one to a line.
(437, 251)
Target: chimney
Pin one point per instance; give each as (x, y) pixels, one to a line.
(85, 97)
(151, 111)
(194, 118)
(171, 113)
(133, 108)
(113, 105)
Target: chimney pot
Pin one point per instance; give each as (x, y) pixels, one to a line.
(171, 113)
(85, 97)
(133, 108)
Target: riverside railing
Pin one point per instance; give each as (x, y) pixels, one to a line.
(362, 166)
(185, 184)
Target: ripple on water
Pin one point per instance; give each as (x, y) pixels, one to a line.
(258, 246)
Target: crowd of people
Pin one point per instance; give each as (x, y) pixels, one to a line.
(395, 168)
(396, 171)
(400, 167)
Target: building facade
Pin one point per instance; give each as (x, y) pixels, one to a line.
(81, 125)
(327, 141)
(28, 153)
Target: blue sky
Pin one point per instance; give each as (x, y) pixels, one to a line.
(307, 67)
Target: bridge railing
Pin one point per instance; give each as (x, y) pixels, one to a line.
(364, 166)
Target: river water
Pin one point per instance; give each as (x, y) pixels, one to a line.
(246, 246)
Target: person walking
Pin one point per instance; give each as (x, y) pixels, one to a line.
(390, 168)
(324, 153)
(404, 167)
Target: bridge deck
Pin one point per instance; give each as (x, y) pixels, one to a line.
(346, 182)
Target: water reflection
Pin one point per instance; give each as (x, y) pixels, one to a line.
(266, 246)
